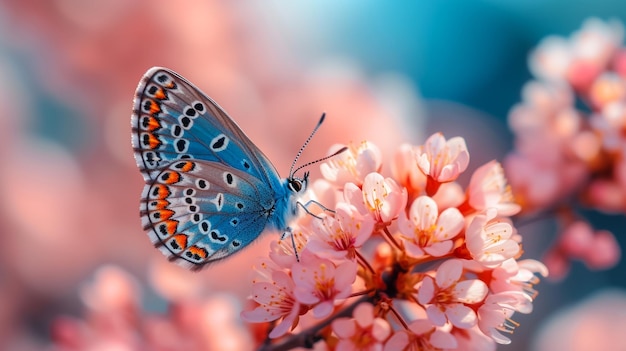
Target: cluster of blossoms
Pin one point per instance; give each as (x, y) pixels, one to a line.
(409, 262)
(570, 144)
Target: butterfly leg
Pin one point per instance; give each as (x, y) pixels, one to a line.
(289, 232)
(306, 205)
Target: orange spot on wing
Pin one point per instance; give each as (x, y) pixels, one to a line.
(153, 124)
(172, 178)
(160, 94)
(181, 240)
(161, 204)
(159, 192)
(154, 107)
(187, 167)
(153, 141)
(172, 226)
(164, 215)
(199, 251)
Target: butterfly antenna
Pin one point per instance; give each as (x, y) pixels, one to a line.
(322, 159)
(319, 124)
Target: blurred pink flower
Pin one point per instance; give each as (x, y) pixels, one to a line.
(596, 323)
(581, 58)
(426, 231)
(569, 141)
(446, 296)
(362, 332)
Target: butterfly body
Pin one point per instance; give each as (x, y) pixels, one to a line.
(209, 190)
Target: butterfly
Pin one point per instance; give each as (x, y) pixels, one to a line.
(209, 190)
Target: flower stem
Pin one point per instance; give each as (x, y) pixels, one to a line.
(364, 262)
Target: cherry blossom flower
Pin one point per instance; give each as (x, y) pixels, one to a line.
(446, 296)
(276, 300)
(426, 231)
(353, 164)
(363, 331)
(421, 335)
(609, 123)
(441, 160)
(381, 197)
(283, 251)
(580, 59)
(340, 235)
(494, 316)
(473, 339)
(490, 240)
(514, 275)
(488, 188)
(320, 282)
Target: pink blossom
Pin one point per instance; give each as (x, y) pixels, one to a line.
(604, 252)
(283, 252)
(446, 295)
(426, 231)
(579, 59)
(607, 88)
(363, 332)
(380, 196)
(404, 169)
(494, 316)
(491, 240)
(472, 339)
(514, 275)
(488, 188)
(422, 335)
(276, 300)
(576, 238)
(442, 161)
(321, 283)
(340, 235)
(609, 123)
(353, 164)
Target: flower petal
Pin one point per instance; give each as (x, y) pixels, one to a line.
(449, 224)
(426, 291)
(448, 273)
(470, 291)
(364, 315)
(344, 327)
(398, 341)
(443, 340)
(436, 316)
(439, 249)
(461, 316)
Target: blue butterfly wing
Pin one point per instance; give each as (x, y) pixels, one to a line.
(173, 119)
(209, 190)
(199, 211)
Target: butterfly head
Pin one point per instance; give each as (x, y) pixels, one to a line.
(298, 185)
